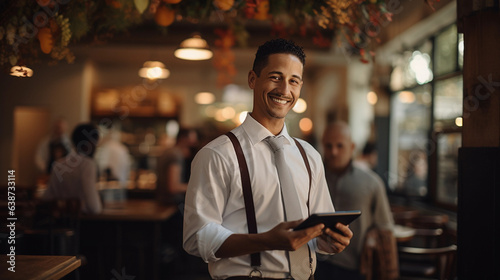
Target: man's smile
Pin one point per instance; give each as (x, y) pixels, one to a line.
(278, 98)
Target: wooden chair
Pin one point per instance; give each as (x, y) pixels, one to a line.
(431, 253)
(434, 263)
(430, 231)
(403, 215)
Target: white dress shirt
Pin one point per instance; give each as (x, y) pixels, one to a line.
(215, 206)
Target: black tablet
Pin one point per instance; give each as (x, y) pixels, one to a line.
(329, 219)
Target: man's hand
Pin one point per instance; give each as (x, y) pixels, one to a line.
(334, 242)
(282, 236)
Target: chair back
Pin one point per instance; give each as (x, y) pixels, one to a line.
(442, 262)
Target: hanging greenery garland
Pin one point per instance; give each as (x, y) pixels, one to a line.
(31, 29)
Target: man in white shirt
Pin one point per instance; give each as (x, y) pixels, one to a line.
(215, 224)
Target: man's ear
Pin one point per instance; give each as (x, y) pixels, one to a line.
(252, 76)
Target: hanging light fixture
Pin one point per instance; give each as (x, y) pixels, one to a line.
(154, 70)
(21, 71)
(194, 48)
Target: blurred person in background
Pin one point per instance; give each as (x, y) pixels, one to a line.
(368, 158)
(352, 188)
(54, 146)
(75, 176)
(174, 167)
(415, 184)
(173, 171)
(113, 157)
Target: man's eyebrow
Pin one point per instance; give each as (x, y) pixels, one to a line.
(275, 72)
(281, 73)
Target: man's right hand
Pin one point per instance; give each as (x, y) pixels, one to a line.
(281, 237)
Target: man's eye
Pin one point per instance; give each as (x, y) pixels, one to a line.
(296, 82)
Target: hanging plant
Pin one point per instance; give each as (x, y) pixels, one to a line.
(23, 33)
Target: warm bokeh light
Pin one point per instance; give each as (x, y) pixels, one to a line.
(459, 121)
(204, 98)
(219, 116)
(228, 113)
(372, 98)
(242, 116)
(193, 54)
(21, 71)
(194, 48)
(154, 70)
(306, 125)
(300, 106)
(406, 97)
(210, 111)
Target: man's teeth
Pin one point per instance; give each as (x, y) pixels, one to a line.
(279, 100)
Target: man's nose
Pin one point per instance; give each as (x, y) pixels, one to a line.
(283, 87)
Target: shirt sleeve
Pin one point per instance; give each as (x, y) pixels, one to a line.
(205, 202)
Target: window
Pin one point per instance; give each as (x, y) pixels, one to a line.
(426, 111)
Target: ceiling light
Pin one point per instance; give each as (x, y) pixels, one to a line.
(194, 48)
(21, 71)
(153, 70)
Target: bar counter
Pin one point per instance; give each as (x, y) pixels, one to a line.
(126, 237)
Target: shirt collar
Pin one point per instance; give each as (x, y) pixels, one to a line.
(257, 132)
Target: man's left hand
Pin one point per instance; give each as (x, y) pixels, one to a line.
(334, 242)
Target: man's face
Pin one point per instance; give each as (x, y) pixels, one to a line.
(337, 148)
(277, 89)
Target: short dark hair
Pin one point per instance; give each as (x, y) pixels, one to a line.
(370, 147)
(276, 46)
(85, 137)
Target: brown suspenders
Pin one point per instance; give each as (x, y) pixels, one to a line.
(247, 189)
(247, 193)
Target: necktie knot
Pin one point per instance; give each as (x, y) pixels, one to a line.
(275, 142)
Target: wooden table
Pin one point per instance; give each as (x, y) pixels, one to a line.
(38, 267)
(126, 235)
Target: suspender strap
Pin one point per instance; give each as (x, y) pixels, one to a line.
(247, 193)
(308, 167)
(247, 189)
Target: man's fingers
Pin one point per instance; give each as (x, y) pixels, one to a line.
(344, 229)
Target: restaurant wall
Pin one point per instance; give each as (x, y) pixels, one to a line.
(361, 113)
(61, 89)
